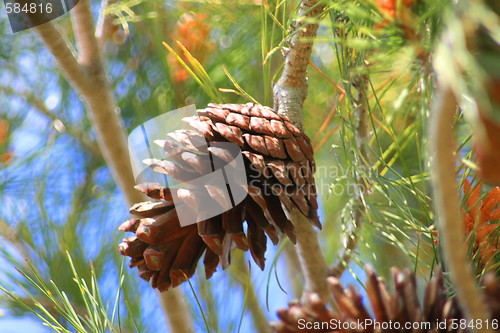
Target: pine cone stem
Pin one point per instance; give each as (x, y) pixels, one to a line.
(446, 194)
(289, 95)
(310, 256)
(174, 306)
(293, 267)
(291, 89)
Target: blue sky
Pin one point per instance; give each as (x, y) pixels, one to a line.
(32, 137)
(21, 325)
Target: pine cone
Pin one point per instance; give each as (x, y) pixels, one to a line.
(399, 307)
(279, 164)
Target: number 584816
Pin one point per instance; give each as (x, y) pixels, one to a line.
(31, 8)
(474, 324)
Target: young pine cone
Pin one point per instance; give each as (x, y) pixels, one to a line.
(400, 307)
(279, 165)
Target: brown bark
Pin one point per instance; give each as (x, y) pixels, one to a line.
(88, 76)
(289, 94)
(446, 197)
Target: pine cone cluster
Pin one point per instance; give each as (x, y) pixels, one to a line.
(279, 164)
(400, 307)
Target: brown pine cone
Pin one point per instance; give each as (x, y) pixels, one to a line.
(279, 165)
(401, 307)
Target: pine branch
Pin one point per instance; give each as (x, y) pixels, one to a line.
(361, 134)
(289, 95)
(65, 55)
(293, 268)
(446, 197)
(83, 26)
(291, 89)
(104, 24)
(90, 79)
(101, 106)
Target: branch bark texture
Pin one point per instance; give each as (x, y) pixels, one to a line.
(446, 197)
(87, 74)
(291, 89)
(289, 94)
(104, 24)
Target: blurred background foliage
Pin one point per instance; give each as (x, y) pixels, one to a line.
(57, 195)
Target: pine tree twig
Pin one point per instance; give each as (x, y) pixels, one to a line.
(361, 134)
(90, 79)
(311, 258)
(102, 109)
(64, 53)
(289, 94)
(83, 26)
(291, 89)
(42, 109)
(446, 198)
(110, 133)
(177, 311)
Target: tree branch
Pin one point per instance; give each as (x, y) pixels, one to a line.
(291, 89)
(83, 26)
(104, 23)
(446, 198)
(311, 258)
(65, 55)
(90, 79)
(361, 134)
(289, 95)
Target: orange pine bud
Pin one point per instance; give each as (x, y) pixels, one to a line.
(4, 131)
(6, 157)
(478, 217)
(193, 33)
